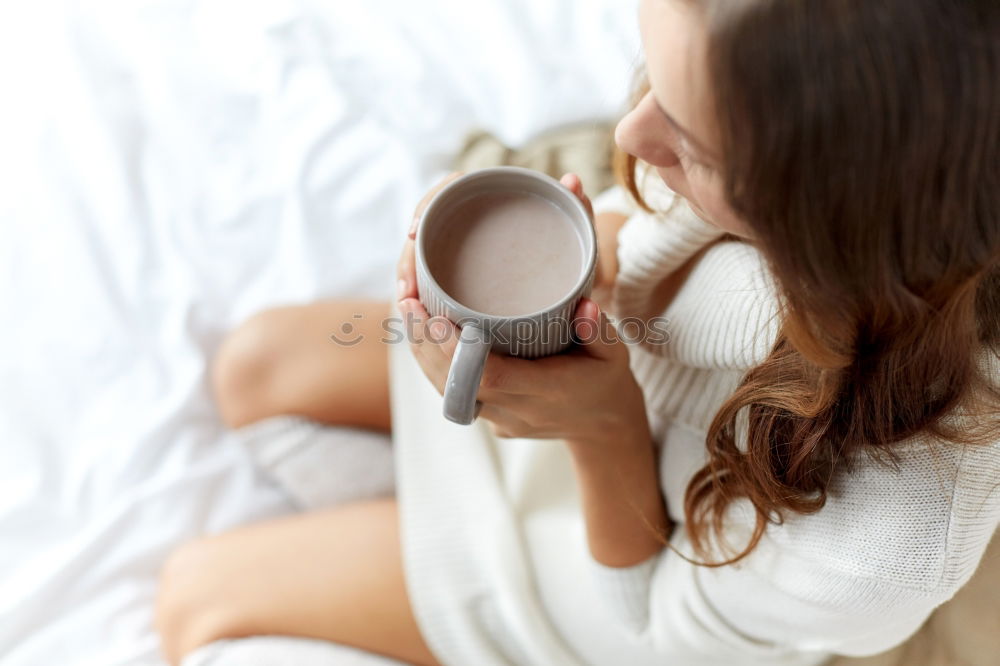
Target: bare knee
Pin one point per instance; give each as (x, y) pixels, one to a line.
(189, 612)
(244, 368)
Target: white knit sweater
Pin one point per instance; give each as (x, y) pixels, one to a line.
(494, 541)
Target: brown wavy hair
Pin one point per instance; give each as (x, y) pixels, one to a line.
(862, 146)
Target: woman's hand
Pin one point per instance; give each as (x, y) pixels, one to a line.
(607, 226)
(585, 396)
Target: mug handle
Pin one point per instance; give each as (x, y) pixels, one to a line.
(462, 387)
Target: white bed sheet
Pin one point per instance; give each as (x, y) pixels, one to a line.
(167, 169)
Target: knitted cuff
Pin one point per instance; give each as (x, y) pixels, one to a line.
(626, 591)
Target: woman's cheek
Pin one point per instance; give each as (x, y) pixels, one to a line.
(706, 199)
(713, 204)
(676, 180)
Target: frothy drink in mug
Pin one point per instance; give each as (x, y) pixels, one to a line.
(507, 254)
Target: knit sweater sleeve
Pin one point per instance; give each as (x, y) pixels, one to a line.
(782, 601)
(769, 607)
(855, 579)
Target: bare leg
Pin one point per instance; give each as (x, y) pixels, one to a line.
(335, 575)
(283, 361)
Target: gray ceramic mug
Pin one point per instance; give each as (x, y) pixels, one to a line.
(531, 335)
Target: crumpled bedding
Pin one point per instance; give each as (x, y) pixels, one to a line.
(169, 168)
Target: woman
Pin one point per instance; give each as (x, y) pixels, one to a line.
(808, 467)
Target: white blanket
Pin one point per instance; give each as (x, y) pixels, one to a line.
(166, 170)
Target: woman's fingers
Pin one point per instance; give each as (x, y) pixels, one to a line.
(423, 332)
(434, 340)
(504, 422)
(422, 206)
(508, 375)
(406, 274)
(575, 185)
(595, 332)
